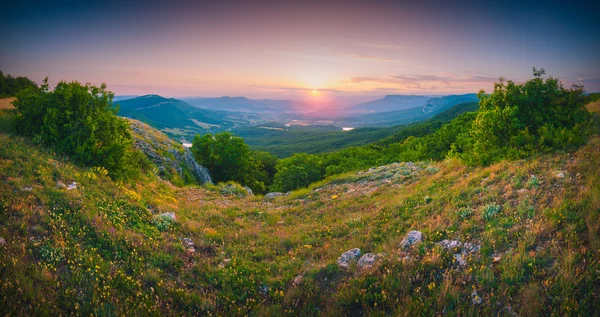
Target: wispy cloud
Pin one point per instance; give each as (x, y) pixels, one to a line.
(291, 89)
(427, 82)
(384, 46)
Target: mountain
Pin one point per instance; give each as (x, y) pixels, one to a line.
(390, 103)
(175, 117)
(427, 110)
(244, 104)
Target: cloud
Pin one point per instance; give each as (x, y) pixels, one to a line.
(291, 89)
(382, 46)
(427, 82)
(366, 57)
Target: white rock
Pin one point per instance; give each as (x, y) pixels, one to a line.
(297, 280)
(347, 257)
(560, 175)
(366, 261)
(460, 259)
(450, 244)
(72, 185)
(2, 242)
(412, 238)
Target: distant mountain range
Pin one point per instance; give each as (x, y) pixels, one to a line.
(244, 104)
(390, 103)
(425, 109)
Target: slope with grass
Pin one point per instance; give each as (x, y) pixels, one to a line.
(107, 248)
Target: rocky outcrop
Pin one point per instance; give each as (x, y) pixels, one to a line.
(167, 154)
(412, 238)
(366, 261)
(347, 258)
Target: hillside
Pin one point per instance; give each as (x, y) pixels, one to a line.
(244, 104)
(517, 237)
(283, 141)
(175, 117)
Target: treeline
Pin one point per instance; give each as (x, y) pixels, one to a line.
(10, 86)
(513, 122)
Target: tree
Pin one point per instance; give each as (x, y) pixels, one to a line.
(298, 170)
(80, 121)
(519, 119)
(228, 158)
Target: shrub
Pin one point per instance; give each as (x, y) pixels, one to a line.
(80, 121)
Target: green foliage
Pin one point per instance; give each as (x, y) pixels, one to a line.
(298, 170)
(517, 120)
(228, 158)
(79, 120)
(10, 86)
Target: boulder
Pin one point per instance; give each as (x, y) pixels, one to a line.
(450, 244)
(469, 248)
(560, 175)
(249, 191)
(366, 261)
(412, 238)
(274, 194)
(348, 257)
(72, 185)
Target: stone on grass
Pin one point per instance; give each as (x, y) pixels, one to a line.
(460, 259)
(471, 248)
(348, 257)
(412, 238)
(169, 215)
(297, 280)
(450, 244)
(2, 242)
(560, 175)
(274, 194)
(27, 188)
(72, 186)
(189, 245)
(366, 261)
(60, 184)
(248, 191)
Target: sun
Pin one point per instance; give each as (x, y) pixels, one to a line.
(314, 92)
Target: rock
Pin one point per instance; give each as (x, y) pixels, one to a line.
(496, 258)
(471, 248)
(27, 188)
(2, 242)
(274, 194)
(72, 186)
(460, 259)
(297, 280)
(170, 215)
(189, 245)
(410, 164)
(412, 238)
(60, 185)
(347, 257)
(560, 175)
(249, 191)
(366, 261)
(476, 299)
(450, 244)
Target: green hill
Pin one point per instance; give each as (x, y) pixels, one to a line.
(174, 117)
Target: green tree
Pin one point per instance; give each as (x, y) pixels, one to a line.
(519, 119)
(80, 121)
(298, 170)
(228, 158)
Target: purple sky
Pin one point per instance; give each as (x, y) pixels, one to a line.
(345, 50)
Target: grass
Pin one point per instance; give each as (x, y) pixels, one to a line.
(102, 249)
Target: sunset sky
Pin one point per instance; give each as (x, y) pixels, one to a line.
(287, 49)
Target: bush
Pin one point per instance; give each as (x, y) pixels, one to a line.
(517, 120)
(80, 121)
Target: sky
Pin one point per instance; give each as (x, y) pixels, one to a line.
(343, 51)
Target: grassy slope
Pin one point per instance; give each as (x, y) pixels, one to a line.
(98, 250)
